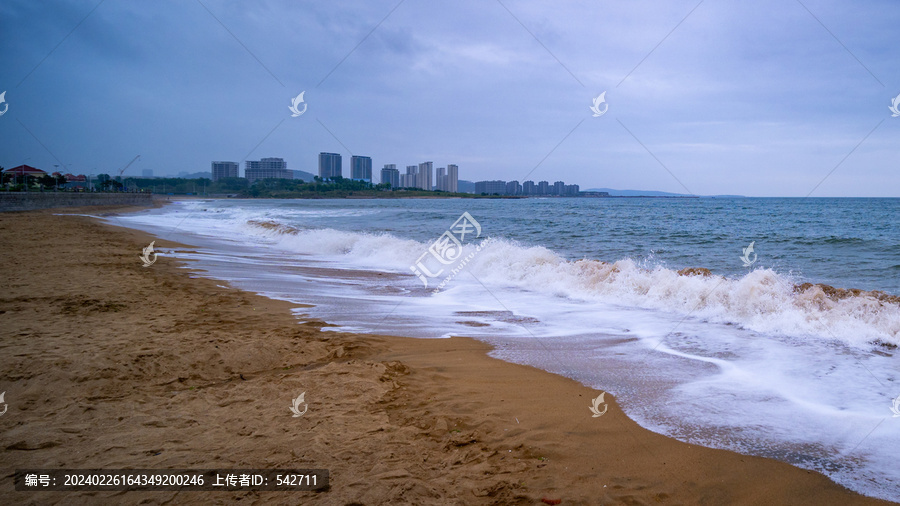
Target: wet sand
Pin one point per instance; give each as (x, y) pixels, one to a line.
(108, 364)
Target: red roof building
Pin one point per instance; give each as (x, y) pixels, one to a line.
(26, 170)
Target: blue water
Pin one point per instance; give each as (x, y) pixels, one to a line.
(843, 242)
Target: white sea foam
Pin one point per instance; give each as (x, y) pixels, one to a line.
(762, 300)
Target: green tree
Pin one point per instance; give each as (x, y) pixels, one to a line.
(230, 184)
(47, 181)
(5, 177)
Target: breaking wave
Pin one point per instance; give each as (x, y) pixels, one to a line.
(762, 300)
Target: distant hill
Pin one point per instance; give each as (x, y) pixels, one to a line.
(649, 193)
(302, 174)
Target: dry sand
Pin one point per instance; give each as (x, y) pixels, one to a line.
(107, 364)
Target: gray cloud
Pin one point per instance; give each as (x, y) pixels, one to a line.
(753, 99)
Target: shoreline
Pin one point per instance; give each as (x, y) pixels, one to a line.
(180, 372)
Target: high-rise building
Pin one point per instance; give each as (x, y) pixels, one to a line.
(513, 188)
(412, 177)
(572, 190)
(425, 174)
(528, 188)
(452, 178)
(543, 188)
(440, 179)
(361, 168)
(149, 173)
(220, 170)
(330, 165)
(390, 175)
(559, 188)
(267, 168)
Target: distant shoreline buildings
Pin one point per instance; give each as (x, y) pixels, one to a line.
(224, 169)
(390, 175)
(361, 168)
(422, 176)
(448, 179)
(254, 170)
(419, 176)
(330, 165)
(527, 189)
(266, 168)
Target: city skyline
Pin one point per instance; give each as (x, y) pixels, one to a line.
(422, 176)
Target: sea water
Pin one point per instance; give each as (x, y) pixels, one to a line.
(742, 359)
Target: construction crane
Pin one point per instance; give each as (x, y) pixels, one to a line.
(123, 170)
(129, 165)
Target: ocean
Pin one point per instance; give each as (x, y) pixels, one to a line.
(744, 358)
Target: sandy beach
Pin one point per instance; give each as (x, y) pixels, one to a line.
(108, 364)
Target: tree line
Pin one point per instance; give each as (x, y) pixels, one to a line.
(262, 188)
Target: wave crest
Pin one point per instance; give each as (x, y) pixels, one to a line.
(762, 300)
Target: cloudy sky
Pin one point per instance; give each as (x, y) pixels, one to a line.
(718, 97)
